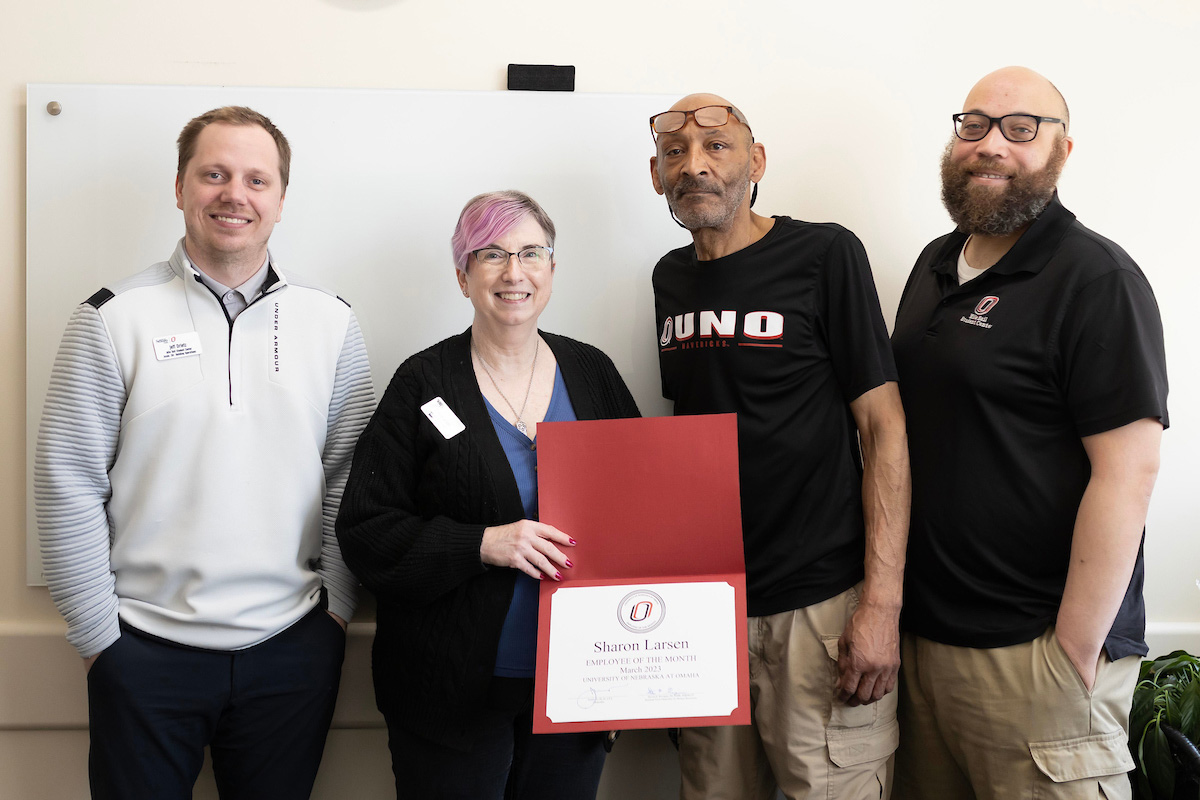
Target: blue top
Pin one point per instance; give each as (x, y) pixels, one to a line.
(517, 653)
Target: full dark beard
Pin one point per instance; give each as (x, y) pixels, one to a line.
(730, 195)
(998, 212)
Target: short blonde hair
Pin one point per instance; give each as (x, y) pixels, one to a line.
(232, 115)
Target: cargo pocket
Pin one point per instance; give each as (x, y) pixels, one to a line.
(849, 747)
(842, 715)
(859, 735)
(1081, 767)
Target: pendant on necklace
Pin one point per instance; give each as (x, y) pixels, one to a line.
(521, 427)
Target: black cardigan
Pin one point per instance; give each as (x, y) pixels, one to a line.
(411, 524)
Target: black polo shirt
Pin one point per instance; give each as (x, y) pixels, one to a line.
(785, 332)
(1001, 377)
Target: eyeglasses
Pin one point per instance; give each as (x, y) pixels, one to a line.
(535, 257)
(1015, 127)
(706, 117)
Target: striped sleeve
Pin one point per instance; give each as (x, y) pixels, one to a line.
(350, 409)
(76, 446)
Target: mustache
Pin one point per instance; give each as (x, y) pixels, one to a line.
(690, 184)
(987, 165)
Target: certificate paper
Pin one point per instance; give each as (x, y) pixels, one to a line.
(659, 649)
(648, 628)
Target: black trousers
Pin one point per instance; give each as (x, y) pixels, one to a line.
(507, 760)
(264, 712)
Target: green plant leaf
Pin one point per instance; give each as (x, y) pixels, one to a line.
(1189, 711)
(1140, 751)
(1141, 786)
(1160, 766)
(1171, 705)
(1142, 710)
(1179, 661)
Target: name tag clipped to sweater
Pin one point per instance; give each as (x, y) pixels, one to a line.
(445, 420)
(180, 345)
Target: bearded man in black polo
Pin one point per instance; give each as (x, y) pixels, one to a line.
(1031, 364)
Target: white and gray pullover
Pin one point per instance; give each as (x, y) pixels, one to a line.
(189, 467)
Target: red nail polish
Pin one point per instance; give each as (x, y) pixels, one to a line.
(569, 564)
(557, 577)
(572, 541)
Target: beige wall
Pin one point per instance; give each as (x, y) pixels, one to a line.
(852, 101)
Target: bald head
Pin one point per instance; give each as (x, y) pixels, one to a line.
(699, 100)
(1017, 90)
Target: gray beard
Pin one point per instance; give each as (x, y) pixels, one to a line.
(977, 210)
(731, 201)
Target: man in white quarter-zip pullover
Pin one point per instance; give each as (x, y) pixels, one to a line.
(195, 441)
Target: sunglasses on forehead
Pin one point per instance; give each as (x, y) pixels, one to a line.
(706, 117)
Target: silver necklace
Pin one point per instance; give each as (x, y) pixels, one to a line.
(521, 426)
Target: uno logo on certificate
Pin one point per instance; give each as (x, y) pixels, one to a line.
(641, 611)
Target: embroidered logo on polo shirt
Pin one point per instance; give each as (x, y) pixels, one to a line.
(978, 317)
(986, 304)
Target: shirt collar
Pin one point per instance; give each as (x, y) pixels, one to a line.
(249, 290)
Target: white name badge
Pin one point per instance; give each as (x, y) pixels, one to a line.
(445, 420)
(179, 345)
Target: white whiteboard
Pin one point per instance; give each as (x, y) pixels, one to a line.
(377, 181)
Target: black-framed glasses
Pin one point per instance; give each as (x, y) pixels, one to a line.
(705, 116)
(1015, 127)
(534, 257)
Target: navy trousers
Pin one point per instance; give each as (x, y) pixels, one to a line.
(264, 712)
(507, 761)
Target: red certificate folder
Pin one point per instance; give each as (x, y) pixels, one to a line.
(648, 501)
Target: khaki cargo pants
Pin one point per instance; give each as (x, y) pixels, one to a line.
(800, 738)
(1011, 723)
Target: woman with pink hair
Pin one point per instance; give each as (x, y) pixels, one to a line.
(439, 521)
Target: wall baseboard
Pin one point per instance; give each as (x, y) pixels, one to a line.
(1167, 637)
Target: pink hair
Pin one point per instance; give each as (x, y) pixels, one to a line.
(487, 217)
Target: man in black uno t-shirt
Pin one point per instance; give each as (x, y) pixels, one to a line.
(778, 321)
(1031, 364)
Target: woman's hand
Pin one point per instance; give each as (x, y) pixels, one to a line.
(528, 546)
